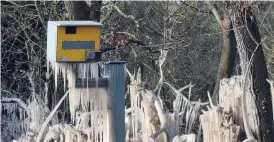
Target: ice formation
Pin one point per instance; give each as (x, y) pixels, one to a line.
(136, 114)
(91, 101)
(11, 123)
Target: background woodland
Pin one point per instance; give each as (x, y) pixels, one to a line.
(199, 37)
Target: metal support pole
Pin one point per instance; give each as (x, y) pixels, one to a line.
(115, 71)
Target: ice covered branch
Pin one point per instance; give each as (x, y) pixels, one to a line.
(215, 12)
(161, 61)
(271, 82)
(16, 100)
(49, 117)
(125, 15)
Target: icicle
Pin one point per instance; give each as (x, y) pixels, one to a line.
(96, 113)
(94, 68)
(135, 104)
(56, 74)
(67, 135)
(84, 99)
(79, 137)
(64, 69)
(92, 116)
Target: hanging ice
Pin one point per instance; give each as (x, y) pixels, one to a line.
(92, 100)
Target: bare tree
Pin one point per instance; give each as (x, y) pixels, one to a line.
(136, 32)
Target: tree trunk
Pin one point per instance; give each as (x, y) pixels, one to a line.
(227, 59)
(95, 12)
(79, 10)
(249, 42)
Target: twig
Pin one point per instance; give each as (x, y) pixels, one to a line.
(6, 91)
(177, 92)
(39, 15)
(210, 100)
(147, 47)
(197, 9)
(130, 75)
(107, 15)
(183, 88)
(125, 15)
(127, 33)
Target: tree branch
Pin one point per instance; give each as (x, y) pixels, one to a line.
(215, 12)
(39, 15)
(147, 47)
(45, 124)
(197, 9)
(138, 42)
(16, 100)
(161, 61)
(125, 15)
